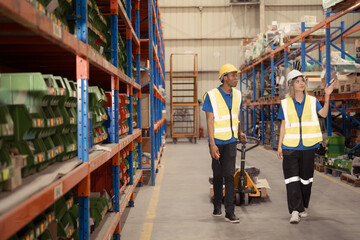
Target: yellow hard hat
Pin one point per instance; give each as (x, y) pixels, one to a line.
(227, 68)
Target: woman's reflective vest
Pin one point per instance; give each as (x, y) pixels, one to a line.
(306, 128)
(226, 121)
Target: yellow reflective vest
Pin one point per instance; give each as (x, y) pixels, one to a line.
(226, 121)
(306, 128)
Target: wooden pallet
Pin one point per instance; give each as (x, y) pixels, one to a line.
(343, 5)
(349, 87)
(350, 179)
(268, 147)
(269, 99)
(319, 92)
(308, 39)
(333, 171)
(319, 167)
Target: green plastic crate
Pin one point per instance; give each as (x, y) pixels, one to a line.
(6, 122)
(331, 140)
(66, 226)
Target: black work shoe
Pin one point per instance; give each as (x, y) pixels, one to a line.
(217, 211)
(230, 217)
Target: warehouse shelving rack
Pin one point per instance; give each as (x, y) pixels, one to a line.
(153, 50)
(283, 54)
(25, 32)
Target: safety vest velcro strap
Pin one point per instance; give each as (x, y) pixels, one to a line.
(304, 124)
(296, 136)
(226, 129)
(226, 117)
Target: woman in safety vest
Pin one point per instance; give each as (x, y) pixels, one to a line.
(300, 135)
(222, 107)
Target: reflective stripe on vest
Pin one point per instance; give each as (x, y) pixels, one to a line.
(310, 127)
(222, 117)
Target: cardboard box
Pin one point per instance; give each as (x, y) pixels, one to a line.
(15, 181)
(164, 114)
(145, 110)
(144, 77)
(146, 147)
(351, 78)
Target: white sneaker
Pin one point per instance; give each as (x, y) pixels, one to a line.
(303, 214)
(295, 218)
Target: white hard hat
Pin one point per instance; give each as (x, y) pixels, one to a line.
(293, 74)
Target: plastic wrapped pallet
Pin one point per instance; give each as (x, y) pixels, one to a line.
(330, 3)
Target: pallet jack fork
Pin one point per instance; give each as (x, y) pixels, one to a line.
(244, 186)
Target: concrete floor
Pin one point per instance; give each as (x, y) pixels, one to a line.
(179, 207)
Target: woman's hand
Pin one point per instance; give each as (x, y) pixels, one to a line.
(329, 89)
(279, 153)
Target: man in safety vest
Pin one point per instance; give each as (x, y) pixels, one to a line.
(300, 135)
(222, 107)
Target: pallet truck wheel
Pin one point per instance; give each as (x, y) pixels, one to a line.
(237, 199)
(246, 199)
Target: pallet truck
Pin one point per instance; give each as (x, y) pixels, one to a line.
(245, 188)
(244, 185)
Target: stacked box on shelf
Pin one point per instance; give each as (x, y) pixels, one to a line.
(39, 228)
(124, 166)
(6, 130)
(97, 98)
(59, 14)
(33, 102)
(124, 114)
(135, 114)
(335, 149)
(100, 204)
(68, 133)
(135, 158)
(99, 36)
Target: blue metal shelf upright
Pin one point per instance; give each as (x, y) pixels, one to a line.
(268, 64)
(152, 49)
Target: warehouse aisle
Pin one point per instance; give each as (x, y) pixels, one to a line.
(179, 207)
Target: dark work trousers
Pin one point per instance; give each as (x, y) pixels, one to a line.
(224, 168)
(298, 167)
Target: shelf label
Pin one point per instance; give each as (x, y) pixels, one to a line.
(58, 191)
(57, 31)
(54, 4)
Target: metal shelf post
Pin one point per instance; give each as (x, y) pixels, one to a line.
(138, 78)
(82, 72)
(262, 107)
(272, 93)
(151, 88)
(303, 51)
(328, 68)
(254, 99)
